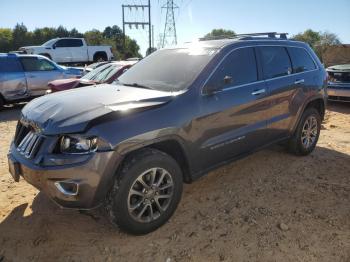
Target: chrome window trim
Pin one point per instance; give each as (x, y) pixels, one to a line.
(259, 81)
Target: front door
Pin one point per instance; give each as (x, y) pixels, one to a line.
(61, 52)
(12, 79)
(77, 50)
(233, 120)
(38, 72)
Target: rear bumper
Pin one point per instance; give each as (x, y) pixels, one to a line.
(339, 92)
(81, 186)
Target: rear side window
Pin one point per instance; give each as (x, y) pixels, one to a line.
(69, 43)
(240, 65)
(301, 60)
(275, 61)
(32, 64)
(10, 64)
(74, 42)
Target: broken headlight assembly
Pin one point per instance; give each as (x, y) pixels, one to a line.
(77, 144)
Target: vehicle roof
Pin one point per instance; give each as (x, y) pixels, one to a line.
(221, 43)
(20, 55)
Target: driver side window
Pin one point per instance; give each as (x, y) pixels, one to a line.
(32, 64)
(238, 68)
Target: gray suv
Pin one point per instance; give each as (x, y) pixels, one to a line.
(171, 118)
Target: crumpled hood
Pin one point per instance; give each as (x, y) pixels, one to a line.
(71, 111)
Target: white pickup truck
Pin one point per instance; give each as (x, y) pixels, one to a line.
(70, 50)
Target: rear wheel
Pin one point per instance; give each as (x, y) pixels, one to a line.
(307, 133)
(100, 58)
(146, 192)
(2, 102)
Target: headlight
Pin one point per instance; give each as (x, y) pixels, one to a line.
(76, 144)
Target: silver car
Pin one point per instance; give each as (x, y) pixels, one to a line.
(26, 76)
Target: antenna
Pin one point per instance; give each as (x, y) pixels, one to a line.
(169, 36)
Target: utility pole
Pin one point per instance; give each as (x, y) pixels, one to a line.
(169, 36)
(138, 23)
(152, 35)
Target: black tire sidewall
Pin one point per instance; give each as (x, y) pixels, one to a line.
(135, 167)
(300, 148)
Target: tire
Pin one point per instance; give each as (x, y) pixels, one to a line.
(130, 202)
(2, 102)
(304, 139)
(100, 58)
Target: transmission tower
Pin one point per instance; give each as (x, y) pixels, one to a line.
(169, 36)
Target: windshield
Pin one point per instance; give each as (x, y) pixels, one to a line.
(168, 69)
(102, 73)
(49, 43)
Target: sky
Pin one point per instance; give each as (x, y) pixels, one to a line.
(194, 18)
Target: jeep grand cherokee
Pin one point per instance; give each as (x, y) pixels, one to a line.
(171, 118)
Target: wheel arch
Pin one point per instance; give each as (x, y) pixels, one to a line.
(172, 146)
(317, 102)
(100, 53)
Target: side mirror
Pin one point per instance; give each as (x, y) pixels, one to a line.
(210, 89)
(54, 46)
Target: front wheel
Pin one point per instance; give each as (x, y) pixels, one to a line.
(307, 133)
(146, 192)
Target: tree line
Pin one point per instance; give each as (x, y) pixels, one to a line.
(13, 39)
(319, 41)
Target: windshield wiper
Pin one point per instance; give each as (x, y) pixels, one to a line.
(134, 85)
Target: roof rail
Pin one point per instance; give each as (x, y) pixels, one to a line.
(246, 36)
(268, 34)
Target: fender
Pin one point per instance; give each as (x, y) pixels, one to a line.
(301, 110)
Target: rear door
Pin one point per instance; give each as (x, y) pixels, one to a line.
(77, 50)
(38, 72)
(234, 119)
(277, 71)
(61, 53)
(12, 79)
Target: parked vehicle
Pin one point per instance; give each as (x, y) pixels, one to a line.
(26, 76)
(93, 66)
(103, 74)
(169, 119)
(339, 83)
(70, 50)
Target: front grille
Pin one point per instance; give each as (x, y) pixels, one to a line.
(27, 140)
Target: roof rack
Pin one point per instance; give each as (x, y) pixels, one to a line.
(247, 36)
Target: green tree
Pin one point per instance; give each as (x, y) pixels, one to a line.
(94, 37)
(220, 33)
(319, 41)
(11, 40)
(5, 39)
(19, 36)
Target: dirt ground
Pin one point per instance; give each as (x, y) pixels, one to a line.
(271, 206)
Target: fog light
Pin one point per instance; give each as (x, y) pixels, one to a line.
(67, 188)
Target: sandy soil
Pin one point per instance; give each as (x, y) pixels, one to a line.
(271, 206)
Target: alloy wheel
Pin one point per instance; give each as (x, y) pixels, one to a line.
(309, 132)
(150, 195)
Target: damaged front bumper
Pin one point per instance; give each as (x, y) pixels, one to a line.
(81, 185)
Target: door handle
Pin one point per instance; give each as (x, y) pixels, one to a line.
(31, 76)
(258, 92)
(299, 81)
